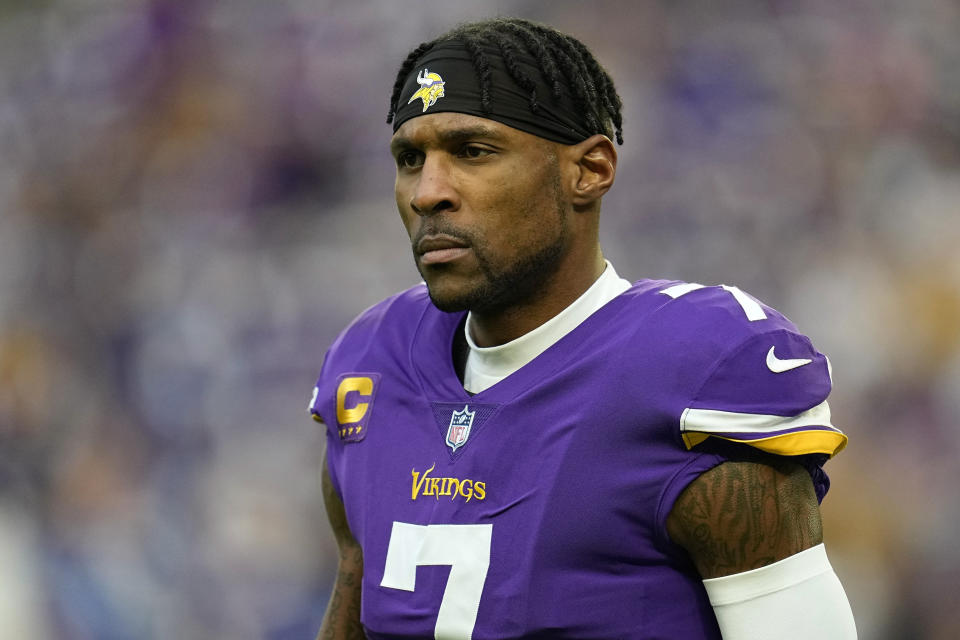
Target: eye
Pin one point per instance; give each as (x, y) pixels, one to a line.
(409, 159)
(474, 151)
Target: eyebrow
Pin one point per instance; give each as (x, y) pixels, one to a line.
(451, 136)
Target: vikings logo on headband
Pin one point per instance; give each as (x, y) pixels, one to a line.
(431, 88)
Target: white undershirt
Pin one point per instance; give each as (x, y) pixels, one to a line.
(487, 366)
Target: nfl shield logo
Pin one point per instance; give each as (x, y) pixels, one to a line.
(459, 429)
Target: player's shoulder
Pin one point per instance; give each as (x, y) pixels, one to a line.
(692, 329)
(692, 311)
(742, 370)
(411, 300)
(399, 312)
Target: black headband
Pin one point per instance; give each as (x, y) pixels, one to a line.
(444, 79)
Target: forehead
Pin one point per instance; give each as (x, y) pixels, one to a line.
(438, 128)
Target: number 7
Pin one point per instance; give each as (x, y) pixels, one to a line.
(465, 547)
(750, 307)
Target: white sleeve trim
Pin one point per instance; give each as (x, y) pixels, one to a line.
(796, 598)
(716, 421)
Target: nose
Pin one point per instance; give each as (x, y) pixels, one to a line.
(434, 191)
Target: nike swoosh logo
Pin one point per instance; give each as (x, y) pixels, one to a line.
(777, 365)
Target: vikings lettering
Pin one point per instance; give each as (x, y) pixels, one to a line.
(425, 485)
(431, 88)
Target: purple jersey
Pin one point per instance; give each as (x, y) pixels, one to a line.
(537, 508)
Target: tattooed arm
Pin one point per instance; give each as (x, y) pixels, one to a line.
(753, 530)
(342, 620)
(744, 515)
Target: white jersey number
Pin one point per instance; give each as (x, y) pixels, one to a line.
(465, 547)
(750, 306)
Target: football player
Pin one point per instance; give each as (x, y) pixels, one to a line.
(528, 445)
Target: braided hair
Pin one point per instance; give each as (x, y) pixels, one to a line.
(564, 62)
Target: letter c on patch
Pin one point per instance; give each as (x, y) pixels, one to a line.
(349, 409)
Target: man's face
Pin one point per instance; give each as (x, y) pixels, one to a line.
(483, 206)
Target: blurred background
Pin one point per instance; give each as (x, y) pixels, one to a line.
(196, 197)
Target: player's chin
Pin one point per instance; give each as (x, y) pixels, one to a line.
(448, 301)
(449, 293)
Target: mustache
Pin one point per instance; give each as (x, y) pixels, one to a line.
(441, 229)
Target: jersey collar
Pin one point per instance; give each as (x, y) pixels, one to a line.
(488, 365)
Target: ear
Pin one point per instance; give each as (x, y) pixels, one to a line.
(596, 161)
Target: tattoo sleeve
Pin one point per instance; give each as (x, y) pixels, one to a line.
(744, 515)
(342, 619)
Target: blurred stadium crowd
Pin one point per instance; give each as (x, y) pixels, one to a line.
(196, 197)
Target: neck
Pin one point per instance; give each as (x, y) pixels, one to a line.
(495, 328)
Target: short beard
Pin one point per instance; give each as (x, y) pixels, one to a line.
(510, 286)
(515, 284)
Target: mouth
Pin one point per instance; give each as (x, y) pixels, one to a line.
(440, 248)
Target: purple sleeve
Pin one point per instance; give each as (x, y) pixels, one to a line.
(759, 386)
(769, 392)
(324, 412)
